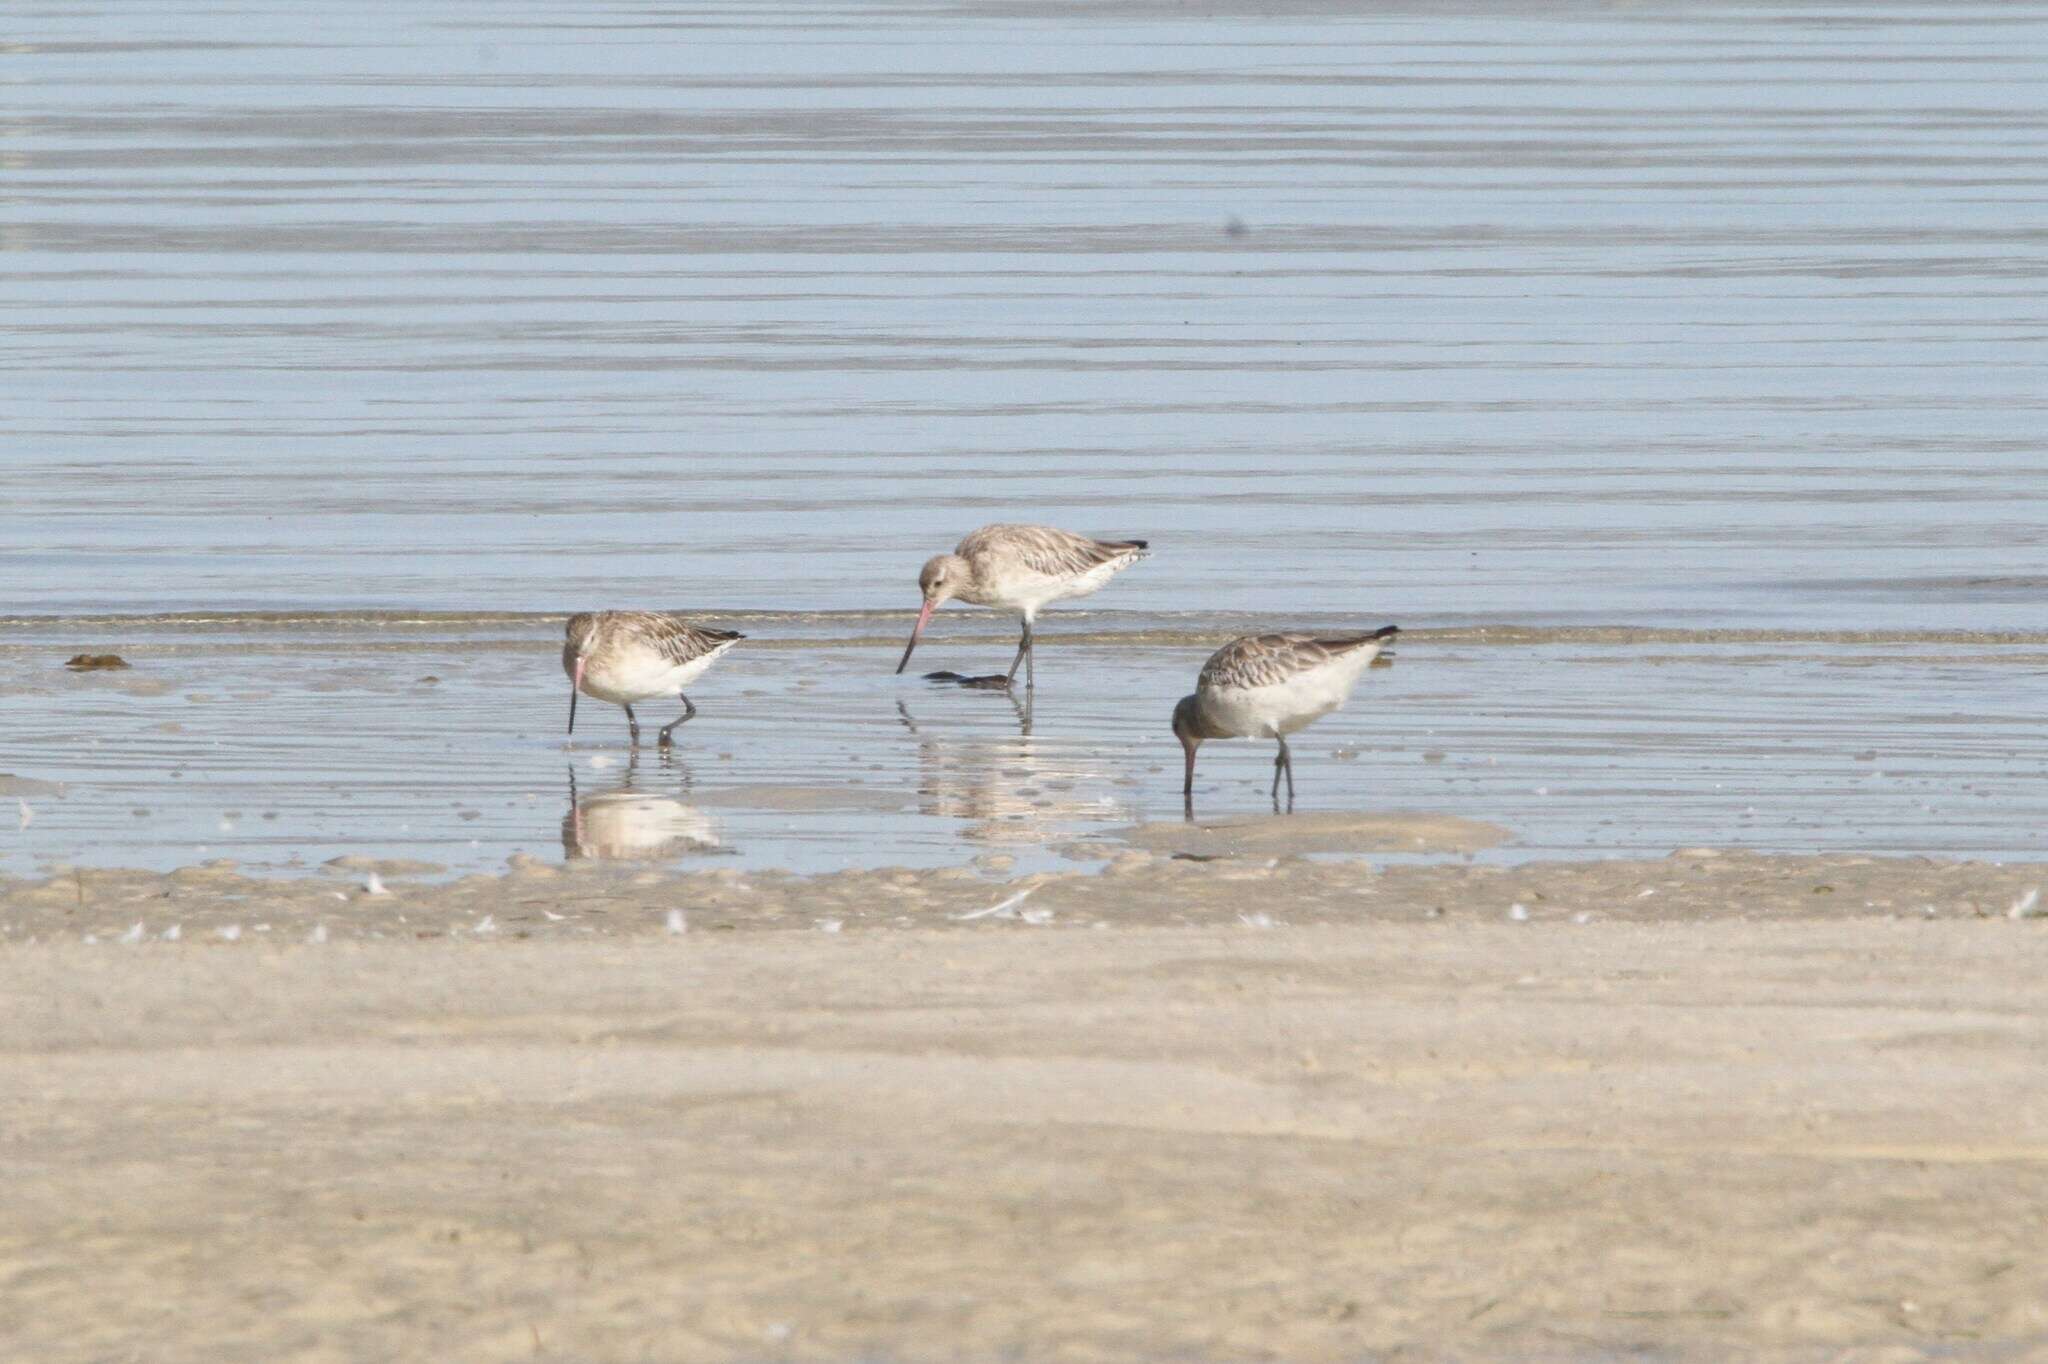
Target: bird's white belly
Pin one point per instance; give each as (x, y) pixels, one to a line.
(1268, 712)
(1029, 592)
(645, 676)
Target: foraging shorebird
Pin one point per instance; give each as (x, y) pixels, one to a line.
(1267, 687)
(628, 656)
(1022, 569)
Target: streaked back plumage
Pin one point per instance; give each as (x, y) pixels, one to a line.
(1025, 568)
(1268, 685)
(1276, 659)
(635, 655)
(670, 635)
(1046, 550)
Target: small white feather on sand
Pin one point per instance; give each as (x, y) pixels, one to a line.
(1260, 919)
(318, 935)
(1519, 913)
(1001, 909)
(2027, 906)
(675, 922)
(28, 816)
(172, 934)
(230, 932)
(134, 933)
(831, 925)
(374, 885)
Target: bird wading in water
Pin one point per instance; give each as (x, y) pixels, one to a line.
(1022, 569)
(1267, 687)
(628, 656)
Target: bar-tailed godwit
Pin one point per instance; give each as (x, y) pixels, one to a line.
(1022, 569)
(628, 656)
(1267, 687)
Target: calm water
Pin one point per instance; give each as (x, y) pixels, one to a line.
(1677, 315)
(285, 745)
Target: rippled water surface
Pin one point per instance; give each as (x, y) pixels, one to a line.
(284, 746)
(1683, 316)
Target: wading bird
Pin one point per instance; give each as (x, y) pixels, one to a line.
(628, 656)
(1022, 569)
(1267, 687)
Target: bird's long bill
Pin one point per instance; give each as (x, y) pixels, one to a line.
(575, 686)
(1187, 786)
(924, 618)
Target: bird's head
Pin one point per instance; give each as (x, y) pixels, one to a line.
(942, 578)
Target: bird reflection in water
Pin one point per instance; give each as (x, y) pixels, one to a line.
(628, 823)
(1009, 790)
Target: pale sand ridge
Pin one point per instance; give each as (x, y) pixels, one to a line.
(1548, 1140)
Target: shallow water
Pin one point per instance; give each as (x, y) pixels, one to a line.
(1688, 317)
(285, 745)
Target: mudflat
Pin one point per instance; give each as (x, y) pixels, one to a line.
(1776, 1124)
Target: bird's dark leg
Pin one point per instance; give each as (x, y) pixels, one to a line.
(1279, 761)
(1023, 657)
(1287, 766)
(689, 713)
(633, 726)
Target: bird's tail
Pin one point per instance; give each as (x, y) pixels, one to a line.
(1385, 632)
(1377, 638)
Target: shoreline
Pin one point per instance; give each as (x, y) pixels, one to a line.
(1112, 886)
(973, 626)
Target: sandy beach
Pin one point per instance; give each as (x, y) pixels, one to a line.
(1702, 1107)
(1655, 968)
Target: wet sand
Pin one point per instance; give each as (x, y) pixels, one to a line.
(1702, 1107)
(1218, 873)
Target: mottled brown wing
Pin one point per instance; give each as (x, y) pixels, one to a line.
(677, 639)
(1269, 660)
(1046, 549)
(1261, 661)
